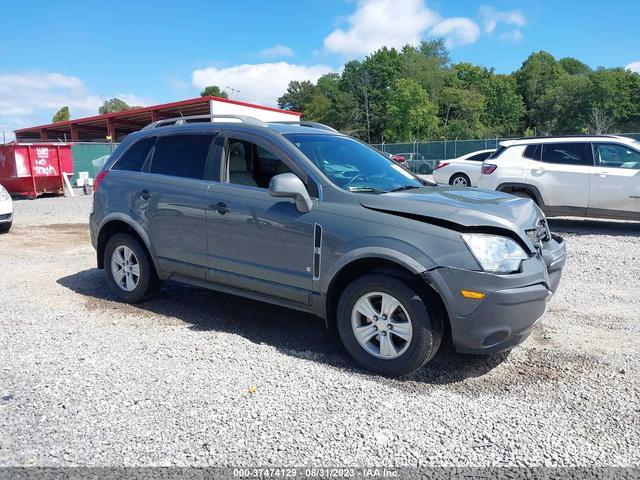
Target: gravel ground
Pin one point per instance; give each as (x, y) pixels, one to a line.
(199, 378)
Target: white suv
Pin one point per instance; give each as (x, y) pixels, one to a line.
(588, 176)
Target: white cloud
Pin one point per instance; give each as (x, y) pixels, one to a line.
(260, 83)
(491, 18)
(31, 98)
(378, 23)
(634, 66)
(511, 36)
(456, 31)
(276, 51)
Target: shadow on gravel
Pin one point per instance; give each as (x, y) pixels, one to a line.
(294, 333)
(594, 227)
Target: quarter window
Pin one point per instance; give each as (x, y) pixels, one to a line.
(567, 153)
(181, 155)
(134, 158)
(479, 157)
(532, 152)
(610, 155)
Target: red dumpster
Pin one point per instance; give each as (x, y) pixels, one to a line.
(33, 169)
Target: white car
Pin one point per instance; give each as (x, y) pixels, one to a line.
(6, 210)
(586, 176)
(463, 171)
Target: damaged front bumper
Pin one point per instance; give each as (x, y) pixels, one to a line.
(512, 303)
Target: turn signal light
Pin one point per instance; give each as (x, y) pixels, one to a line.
(98, 180)
(471, 294)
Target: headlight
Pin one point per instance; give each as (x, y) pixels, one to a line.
(494, 253)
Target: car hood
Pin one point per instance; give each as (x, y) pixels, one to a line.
(467, 208)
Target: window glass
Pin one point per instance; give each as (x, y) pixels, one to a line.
(252, 165)
(352, 165)
(134, 157)
(567, 153)
(480, 156)
(498, 152)
(611, 155)
(181, 155)
(532, 152)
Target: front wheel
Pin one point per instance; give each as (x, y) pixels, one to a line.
(386, 326)
(5, 227)
(128, 269)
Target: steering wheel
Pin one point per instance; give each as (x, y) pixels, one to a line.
(354, 178)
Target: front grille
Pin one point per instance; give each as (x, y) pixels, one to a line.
(540, 234)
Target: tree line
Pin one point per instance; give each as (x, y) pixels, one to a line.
(417, 93)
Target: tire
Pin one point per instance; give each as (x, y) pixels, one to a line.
(460, 180)
(138, 286)
(425, 169)
(5, 227)
(412, 316)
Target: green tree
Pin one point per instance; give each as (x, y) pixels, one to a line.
(297, 96)
(213, 91)
(538, 74)
(428, 65)
(61, 115)
(113, 105)
(573, 66)
(564, 108)
(410, 113)
(460, 113)
(616, 93)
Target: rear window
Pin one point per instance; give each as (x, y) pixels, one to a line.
(133, 159)
(480, 156)
(181, 156)
(497, 153)
(567, 153)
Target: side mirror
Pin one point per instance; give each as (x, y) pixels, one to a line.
(288, 185)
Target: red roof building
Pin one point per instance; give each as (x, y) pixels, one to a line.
(115, 126)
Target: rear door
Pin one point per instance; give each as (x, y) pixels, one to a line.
(615, 181)
(258, 242)
(561, 172)
(171, 198)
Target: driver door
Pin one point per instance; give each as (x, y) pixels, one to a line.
(257, 242)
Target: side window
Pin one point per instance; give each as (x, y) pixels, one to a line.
(134, 157)
(479, 157)
(567, 153)
(611, 155)
(181, 155)
(498, 152)
(532, 152)
(252, 165)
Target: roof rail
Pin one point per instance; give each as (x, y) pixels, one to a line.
(199, 118)
(542, 137)
(304, 123)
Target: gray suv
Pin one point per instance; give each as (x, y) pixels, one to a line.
(302, 216)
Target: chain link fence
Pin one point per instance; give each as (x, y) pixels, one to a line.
(423, 157)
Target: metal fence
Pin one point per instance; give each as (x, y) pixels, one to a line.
(423, 157)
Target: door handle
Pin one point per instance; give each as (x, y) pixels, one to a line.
(221, 208)
(601, 174)
(145, 194)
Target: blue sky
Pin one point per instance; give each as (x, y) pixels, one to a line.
(80, 53)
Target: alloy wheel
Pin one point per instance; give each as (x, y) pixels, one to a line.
(125, 268)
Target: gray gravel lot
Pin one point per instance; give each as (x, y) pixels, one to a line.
(199, 378)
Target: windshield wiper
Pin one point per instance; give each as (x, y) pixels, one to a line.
(404, 187)
(365, 190)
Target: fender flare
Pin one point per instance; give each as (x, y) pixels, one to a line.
(402, 259)
(121, 217)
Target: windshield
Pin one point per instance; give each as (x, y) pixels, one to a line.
(352, 165)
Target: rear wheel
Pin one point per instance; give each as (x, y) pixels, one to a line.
(386, 326)
(460, 180)
(425, 169)
(128, 269)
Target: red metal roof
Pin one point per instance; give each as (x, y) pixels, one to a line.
(133, 119)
